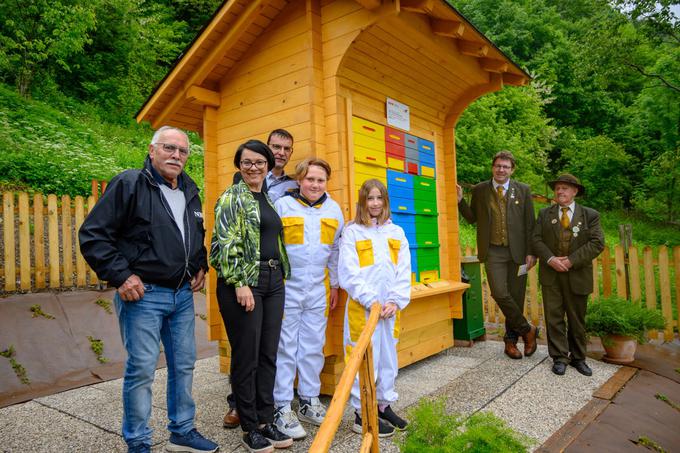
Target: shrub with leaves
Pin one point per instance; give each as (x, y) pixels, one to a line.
(617, 316)
(432, 430)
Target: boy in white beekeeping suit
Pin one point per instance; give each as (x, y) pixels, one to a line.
(375, 266)
(312, 223)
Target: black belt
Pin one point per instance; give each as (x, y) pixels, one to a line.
(272, 263)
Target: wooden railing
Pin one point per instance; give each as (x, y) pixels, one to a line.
(640, 277)
(361, 361)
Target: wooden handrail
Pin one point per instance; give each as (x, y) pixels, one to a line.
(324, 437)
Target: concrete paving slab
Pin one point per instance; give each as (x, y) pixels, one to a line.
(541, 402)
(36, 428)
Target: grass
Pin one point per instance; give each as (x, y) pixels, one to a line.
(665, 399)
(650, 444)
(105, 304)
(60, 151)
(432, 429)
(18, 368)
(97, 347)
(37, 311)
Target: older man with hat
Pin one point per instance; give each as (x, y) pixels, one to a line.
(567, 237)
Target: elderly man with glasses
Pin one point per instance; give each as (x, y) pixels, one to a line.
(145, 237)
(504, 213)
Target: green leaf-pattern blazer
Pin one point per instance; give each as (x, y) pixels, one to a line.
(235, 246)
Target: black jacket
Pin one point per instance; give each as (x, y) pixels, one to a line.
(131, 230)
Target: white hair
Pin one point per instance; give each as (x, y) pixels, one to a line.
(157, 134)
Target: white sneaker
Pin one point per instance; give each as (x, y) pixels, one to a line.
(286, 422)
(312, 411)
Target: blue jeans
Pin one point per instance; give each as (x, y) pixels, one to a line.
(166, 315)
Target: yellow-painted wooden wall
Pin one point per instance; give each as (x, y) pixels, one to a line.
(318, 63)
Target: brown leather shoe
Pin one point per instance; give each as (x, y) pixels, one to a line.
(530, 344)
(512, 351)
(231, 419)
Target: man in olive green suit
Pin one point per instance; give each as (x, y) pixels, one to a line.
(567, 237)
(504, 213)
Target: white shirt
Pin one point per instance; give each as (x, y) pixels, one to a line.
(570, 211)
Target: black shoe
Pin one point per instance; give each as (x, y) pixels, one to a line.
(559, 368)
(255, 442)
(581, 367)
(279, 440)
(393, 419)
(384, 428)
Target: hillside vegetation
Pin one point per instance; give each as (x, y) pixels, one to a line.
(604, 102)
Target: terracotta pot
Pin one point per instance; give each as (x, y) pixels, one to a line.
(620, 349)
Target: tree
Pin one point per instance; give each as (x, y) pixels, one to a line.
(35, 33)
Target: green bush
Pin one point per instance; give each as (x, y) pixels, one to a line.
(432, 430)
(617, 316)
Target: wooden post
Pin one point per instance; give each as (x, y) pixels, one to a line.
(81, 267)
(90, 204)
(665, 287)
(634, 267)
(67, 240)
(626, 240)
(606, 273)
(95, 190)
(39, 240)
(676, 265)
(8, 230)
(596, 280)
(24, 243)
(650, 283)
(369, 409)
(620, 266)
(53, 239)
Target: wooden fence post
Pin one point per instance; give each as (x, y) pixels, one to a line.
(90, 204)
(81, 268)
(533, 294)
(24, 243)
(53, 238)
(634, 266)
(67, 240)
(650, 283)
(665, 287)
(606, 273)
(626, 239)
(596, 280)
(10, 252)
(676, 264)
(620, 266)
(39, 240)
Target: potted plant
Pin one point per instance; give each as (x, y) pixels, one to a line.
(621, 324)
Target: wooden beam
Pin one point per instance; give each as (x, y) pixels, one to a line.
(491, 65)
(202, 96)
(207, 64)
(417, 6)
(514, 79)
(449, 28)
(369, 4)
(472, 49)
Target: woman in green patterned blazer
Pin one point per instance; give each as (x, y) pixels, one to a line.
(248, 254)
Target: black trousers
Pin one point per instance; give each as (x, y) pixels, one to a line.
(254, 339)
(508, 290)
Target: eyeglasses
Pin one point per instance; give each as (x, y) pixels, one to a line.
(503, 167)
(260, 164)
(277, 147)
(170, 148)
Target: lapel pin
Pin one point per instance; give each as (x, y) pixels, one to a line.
(554, 221)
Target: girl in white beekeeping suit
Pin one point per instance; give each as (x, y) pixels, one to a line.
(375, 266)
(312, 223)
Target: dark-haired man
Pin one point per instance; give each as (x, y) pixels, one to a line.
(567, 238)
(278, 182)
(504, 213)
